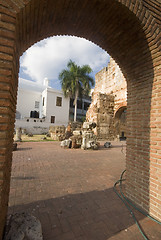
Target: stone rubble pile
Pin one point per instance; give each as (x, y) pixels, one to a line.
(67, 143)
(23, 226)
(89, 139)
(82, 138)
(60, 133)
(57, 133)
(76, 139)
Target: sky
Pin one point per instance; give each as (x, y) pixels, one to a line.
(47, 58)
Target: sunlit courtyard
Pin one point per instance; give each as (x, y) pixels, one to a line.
(71, 192)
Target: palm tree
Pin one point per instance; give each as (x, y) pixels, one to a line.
(76, 82)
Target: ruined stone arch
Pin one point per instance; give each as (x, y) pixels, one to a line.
(119, 111)
(120, 121)
(121, 105)
(130, 32)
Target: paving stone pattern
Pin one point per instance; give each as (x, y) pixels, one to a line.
(71, 192)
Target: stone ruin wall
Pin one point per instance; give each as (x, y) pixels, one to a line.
(110, 93)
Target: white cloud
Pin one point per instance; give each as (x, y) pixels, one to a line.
(30, 85)
(48, 57)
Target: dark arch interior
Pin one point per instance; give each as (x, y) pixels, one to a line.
(120, 123)
(121, 112)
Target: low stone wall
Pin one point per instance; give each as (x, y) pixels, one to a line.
(32, 127)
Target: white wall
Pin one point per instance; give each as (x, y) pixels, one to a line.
(61, 113)
(44, 108)
(30, 126)
(26, 102)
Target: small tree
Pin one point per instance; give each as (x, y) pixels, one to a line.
(76, 82)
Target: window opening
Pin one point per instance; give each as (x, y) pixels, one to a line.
(59, 101)
(43, 101)
(52, 119)
(36, 104)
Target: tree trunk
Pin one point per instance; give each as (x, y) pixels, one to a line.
(75, 104)
(75, 111)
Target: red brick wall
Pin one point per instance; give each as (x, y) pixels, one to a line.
(130, 32)
(8, 88)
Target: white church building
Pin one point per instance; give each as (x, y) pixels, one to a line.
(37, 110)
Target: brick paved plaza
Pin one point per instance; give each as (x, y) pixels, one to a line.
(71, 192)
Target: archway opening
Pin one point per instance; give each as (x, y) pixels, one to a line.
(40, 97)
(120, 123)
(109, 25)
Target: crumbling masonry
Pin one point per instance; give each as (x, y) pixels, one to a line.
(109, 101)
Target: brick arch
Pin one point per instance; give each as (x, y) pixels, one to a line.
(121, 105)
(145, 17)
(59, 22)
(129, 31)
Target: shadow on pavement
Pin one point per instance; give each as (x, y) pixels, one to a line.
(23, 149)
(93, 215)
